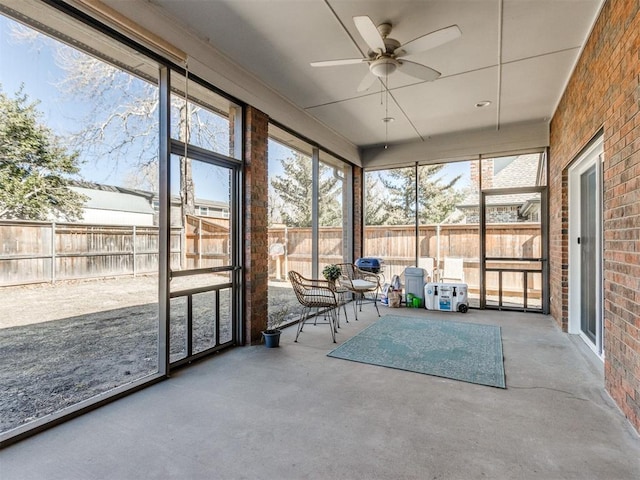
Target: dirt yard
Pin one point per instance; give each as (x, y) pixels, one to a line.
(64, 343)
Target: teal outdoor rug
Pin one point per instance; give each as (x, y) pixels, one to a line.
(462, 351)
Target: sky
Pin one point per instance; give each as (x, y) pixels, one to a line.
(32, 64)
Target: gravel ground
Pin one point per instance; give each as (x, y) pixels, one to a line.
(64, 343)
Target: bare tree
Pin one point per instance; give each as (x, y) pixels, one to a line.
(118, 117)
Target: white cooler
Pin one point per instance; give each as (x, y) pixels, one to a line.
(447, 297)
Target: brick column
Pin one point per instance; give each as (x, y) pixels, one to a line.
(256, 249)
(358, 212)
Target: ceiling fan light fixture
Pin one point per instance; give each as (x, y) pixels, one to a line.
(383, 67)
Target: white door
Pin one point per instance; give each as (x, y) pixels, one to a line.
(585, 247)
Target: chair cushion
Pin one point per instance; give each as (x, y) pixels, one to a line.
(363, 285)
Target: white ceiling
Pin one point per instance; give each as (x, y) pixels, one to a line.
(518, 54)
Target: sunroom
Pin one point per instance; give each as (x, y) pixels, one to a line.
(217, 158)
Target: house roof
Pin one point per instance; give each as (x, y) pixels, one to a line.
(522, 171)
(514, 172)
(109, 197)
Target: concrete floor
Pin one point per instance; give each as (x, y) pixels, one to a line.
(293, 413)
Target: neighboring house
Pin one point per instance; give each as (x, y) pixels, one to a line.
(111, 205)
(508, 172)
(210, 209)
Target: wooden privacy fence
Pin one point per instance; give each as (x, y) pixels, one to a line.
(207, 243)
(396, 244)
(32, 252)
(36, 252)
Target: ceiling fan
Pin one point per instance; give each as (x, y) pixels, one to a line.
(386, 54)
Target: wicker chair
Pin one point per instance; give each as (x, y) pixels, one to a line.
(318, 294)
(363, 285)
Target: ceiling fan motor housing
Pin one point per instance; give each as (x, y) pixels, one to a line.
(384, 63)
(383, 66)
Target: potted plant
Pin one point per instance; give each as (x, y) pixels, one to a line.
(331, 273)
(276, 318)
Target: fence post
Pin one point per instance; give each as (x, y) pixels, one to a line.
(53, 252)
(199, 242)
(183, 248)
(134, 251)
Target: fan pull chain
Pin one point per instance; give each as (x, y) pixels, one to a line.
(186, 108)
(386, 112)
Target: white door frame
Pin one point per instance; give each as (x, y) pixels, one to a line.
(592, 155)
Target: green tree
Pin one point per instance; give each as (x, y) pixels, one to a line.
(35, 168)
(376, 212)
(437, 197)
(292, 193)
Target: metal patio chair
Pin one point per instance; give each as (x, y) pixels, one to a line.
(318, 294)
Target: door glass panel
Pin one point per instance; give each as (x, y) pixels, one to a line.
(534, 290)
(588, 252)
(225, 318)
(200, 194)
(513, 226)
(200, 321)
(204, 324)
(513, 250)
(178, 329)
(492, 291)
(514, 284)
(200, 241)
(513, 230)
(201, 280)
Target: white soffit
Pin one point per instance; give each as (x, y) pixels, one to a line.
(518, 54)
(530, 88)
(539, 27)
(460, 146)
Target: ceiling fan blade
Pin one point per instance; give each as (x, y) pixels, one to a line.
(418, 70)
(431, 40)
(367, 82)
(369, 32)
(335, 63)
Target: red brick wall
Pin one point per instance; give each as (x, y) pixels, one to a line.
(256, 247)
(604, 91)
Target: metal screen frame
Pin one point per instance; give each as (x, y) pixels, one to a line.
(543, 259)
